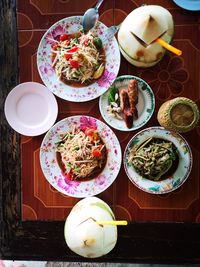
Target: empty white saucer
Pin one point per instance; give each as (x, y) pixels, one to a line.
(31, 109)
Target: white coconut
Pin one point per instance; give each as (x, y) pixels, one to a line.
(83, 235)
(146, 23)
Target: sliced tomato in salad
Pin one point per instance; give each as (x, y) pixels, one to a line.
(89, 131)
(85, 42)
(55, 47)
(72, 50)
(63, 37)
(67, 56)
(68, 176)
(74, 63)
(96, 153)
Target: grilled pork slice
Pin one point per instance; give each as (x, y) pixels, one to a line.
(128, 115)
(133, 96)
(128, 102)
(122, 96)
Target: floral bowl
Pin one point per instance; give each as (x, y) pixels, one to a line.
(55, 175)
(44, 61)
(180, 174)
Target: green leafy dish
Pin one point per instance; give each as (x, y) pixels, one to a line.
(154, 159)
(157, 161)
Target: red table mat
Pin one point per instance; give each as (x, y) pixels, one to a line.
(173, 76)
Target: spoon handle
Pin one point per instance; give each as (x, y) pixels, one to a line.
(111, 31)
(99, 4)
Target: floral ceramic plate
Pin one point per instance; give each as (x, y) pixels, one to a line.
(145, 106)
(180, 174)
(53, 172)
(46, 71)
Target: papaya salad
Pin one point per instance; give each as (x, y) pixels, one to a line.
(78, 59)
(82, 154)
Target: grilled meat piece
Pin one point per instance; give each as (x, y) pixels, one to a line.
(128, 101)
(125, 106)
(128, 115)
(122, 95)
(133, 96)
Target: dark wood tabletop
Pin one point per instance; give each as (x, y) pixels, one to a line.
(166, 227)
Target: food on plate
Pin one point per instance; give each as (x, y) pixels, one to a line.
(84, 235)
(180, 114)
(130, 102)
(122, 103)
(154, 159)
(78, 58)
(81, 154)
(140, 29)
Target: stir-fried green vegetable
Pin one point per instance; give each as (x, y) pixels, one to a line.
(153, 158)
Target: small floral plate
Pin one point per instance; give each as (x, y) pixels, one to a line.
(47, 73)
(145, 106)
(53, 172)
(180, 174)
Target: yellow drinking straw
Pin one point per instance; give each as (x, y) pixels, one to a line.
(113, 222)
(169, 47)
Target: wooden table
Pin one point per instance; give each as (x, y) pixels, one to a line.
(166, 227)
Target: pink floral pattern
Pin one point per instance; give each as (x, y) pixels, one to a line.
(87, 122)
(106, 79)
(167, 78)
(46, 69)
(53, 35)
(54, 174)
(48, 76)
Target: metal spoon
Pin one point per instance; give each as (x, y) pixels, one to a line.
(91, 16)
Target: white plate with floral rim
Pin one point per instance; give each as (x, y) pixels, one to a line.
(145, 105)
(177, 178)
(55, 175)
(44, 61)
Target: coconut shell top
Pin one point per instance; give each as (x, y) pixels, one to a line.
(138, 32)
